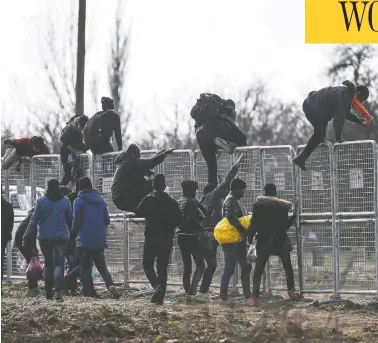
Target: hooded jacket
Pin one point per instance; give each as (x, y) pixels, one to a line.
(213, 200)
(334, 103)
(192, 213)
(270, 221)
(53, 215)
(162, 214)
(90, 221)
(131, 171)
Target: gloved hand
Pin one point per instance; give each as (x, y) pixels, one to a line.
(364, 122)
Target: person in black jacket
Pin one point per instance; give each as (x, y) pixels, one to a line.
(235, 253)
(329, 103)
(212, 200)
(270, 220)
(129, 185)
(7, 221)
(163, 216)
(72, 145)
(188, 235)
(111, 122)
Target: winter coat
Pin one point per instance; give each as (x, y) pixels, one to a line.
(7, 220)
(270, 221)
(90, 221)
(53, 217)
(71, 135)
(213, 200)
(162, 214)
(192, 213)
(131, 171)
(233, 209)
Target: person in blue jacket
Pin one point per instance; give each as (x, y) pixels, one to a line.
(89, 226)
(53, 215)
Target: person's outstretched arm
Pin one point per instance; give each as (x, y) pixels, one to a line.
(224, 187)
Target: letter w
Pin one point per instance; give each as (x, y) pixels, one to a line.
(354, 13)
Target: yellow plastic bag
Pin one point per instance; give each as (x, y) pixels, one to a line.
(224, 232)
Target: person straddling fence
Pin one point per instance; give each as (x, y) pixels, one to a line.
(188, 234)
(89, 226)
(212, 200)
(335, 103)
(234, 253)
(52, 214)
(99, 130)
(17, 149)
(72, 145)
(216, 129)
(7, 221)
(163, 216)
(129, 185)
(270, 220)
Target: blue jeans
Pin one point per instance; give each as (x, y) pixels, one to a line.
(235, 253)
(54, 252)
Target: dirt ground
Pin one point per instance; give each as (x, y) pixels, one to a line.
(132, 319)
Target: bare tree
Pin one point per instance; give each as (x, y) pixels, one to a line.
(356, 63)
(6, 133)
(119, 55)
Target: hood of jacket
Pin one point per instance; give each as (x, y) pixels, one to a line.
(54, 195)
(92, 198)
(268, 200)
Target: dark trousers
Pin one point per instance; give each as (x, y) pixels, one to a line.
(53, 252)
(4, 243)
(319, 124)
(132, 196)
(72, 168)
(190, 247)
(209, 249)
(86, 257)
(235, 253)
(205, 139)
(261, 261)
(28, 255)
(73, 264)
(158, 248)
(102, 148)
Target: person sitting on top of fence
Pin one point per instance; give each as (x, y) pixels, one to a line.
(23, 147)
(129, 185)
(270, 221)
(72, 145)
(216, 129)
(163, 216)
(89, 227)
(212, 200)
(99, 129)
(332, 103)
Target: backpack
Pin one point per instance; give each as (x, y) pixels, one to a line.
(92, 133)
(209, 106)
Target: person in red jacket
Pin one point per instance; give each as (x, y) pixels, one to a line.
(23, 147)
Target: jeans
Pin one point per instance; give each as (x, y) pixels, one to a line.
(209, 249)
(71, 166)
(10, 157)
(53, 252)
(73, 263)
(235, 253)
(86, 256)
(159, 248)
(190, 247)
(259, 270)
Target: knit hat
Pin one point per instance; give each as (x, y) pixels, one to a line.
(158, 184)
(238, 184)
(189, 185)
(107, 103)
(85, 183)
(363, 93)
(270, 190)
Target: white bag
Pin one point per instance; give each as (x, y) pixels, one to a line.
(251, 254)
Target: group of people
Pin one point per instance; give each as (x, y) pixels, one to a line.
(136, 189)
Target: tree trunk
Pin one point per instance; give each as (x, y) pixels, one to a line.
(79, 107)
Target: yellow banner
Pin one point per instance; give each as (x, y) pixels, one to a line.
(340, 21)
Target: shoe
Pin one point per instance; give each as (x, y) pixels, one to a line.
(253, 301)
(300, 162)
(190, 298)
(31, 292)
(203, 297)
(223, 302)
(59, 297)
(49, 295)
(158, 296)
(114, 293)
(227, 147)
(75, 293)
(293, 295)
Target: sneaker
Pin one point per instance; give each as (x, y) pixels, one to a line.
(190, 298)
(158, 296)
(252, 301)
(293, 295)
(227, 147)
(59, 297)
(300, 162)
(31, 292)
(204, 297)
(49, 295)
(114, 293)
(75, 293)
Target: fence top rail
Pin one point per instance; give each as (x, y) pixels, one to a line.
(374, 143)
(356, 220)
(327, 144)
(348, 214)
(142, 220)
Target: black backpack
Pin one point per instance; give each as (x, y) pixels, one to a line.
(93, 130)
(209, 106)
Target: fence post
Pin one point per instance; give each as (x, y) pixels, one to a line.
(125, 250)
(9, 262)
(375, 149)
